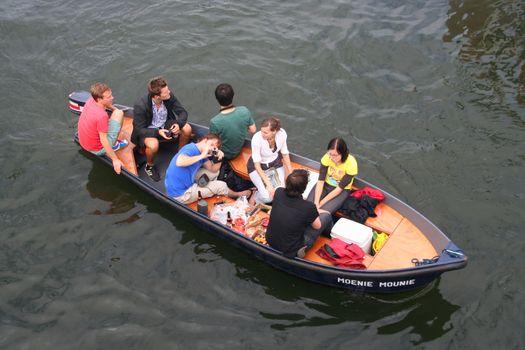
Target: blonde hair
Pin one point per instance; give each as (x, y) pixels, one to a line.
(97, 90)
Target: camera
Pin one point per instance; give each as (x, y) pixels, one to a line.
(213, 156)
(169, 133)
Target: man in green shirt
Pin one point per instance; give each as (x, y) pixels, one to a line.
(232, 123)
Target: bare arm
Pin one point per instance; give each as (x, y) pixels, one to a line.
(316, 224)
(117, 164)
(323, 169)
(318, 192)
(287, 165)
(184, 160)
(212, 166)
(263, 176)
(335, 192)
(256, 150)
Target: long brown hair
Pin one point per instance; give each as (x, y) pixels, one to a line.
(273, 122)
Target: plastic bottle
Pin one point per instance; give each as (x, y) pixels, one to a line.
(202, 205)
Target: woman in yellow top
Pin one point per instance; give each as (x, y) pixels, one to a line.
(336, 175)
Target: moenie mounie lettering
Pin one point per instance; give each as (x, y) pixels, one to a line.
(380, 284)
(355, 282)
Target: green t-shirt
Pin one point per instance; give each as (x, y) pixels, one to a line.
(232, 128)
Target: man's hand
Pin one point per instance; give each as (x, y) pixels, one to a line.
(162, 132)
(117, 165)
(175, 129)
(206, 151)
(270, 190)
(220, 155)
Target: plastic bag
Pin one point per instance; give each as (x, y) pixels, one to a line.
(237, 210)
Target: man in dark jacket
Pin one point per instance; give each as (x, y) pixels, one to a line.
(158, 116)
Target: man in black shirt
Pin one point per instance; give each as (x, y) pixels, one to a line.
(295, 223)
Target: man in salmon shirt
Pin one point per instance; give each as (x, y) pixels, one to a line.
(97, 132)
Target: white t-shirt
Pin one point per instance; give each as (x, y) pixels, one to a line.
(261, 152)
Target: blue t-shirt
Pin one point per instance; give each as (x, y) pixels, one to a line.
(178, 179)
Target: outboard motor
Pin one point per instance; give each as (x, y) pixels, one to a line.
(77, 100)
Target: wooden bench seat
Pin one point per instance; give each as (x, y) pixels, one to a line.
(238, 164)
(126, 154)
(387, 219)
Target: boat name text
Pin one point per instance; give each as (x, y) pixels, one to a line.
(380, 284)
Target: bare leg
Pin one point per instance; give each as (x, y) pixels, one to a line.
(152, 147)
(233, 194)
(184, 135)
(117, 115)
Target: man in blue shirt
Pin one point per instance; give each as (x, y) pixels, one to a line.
(180, 178)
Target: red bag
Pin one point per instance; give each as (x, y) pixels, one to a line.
(343, 254)
(370, 192)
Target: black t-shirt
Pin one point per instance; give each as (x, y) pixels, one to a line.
(288, 220)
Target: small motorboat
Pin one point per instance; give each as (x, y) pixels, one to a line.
(413, 255)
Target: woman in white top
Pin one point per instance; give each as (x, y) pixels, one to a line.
(269, 150)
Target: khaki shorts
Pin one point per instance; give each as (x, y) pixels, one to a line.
(214, 187)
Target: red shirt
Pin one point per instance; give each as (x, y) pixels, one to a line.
(93, 119)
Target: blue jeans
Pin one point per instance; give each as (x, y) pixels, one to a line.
(311, 234)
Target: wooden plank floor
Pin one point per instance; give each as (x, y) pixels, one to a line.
(405, 243)
(311, 255)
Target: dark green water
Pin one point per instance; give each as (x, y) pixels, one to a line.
(430, 95)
